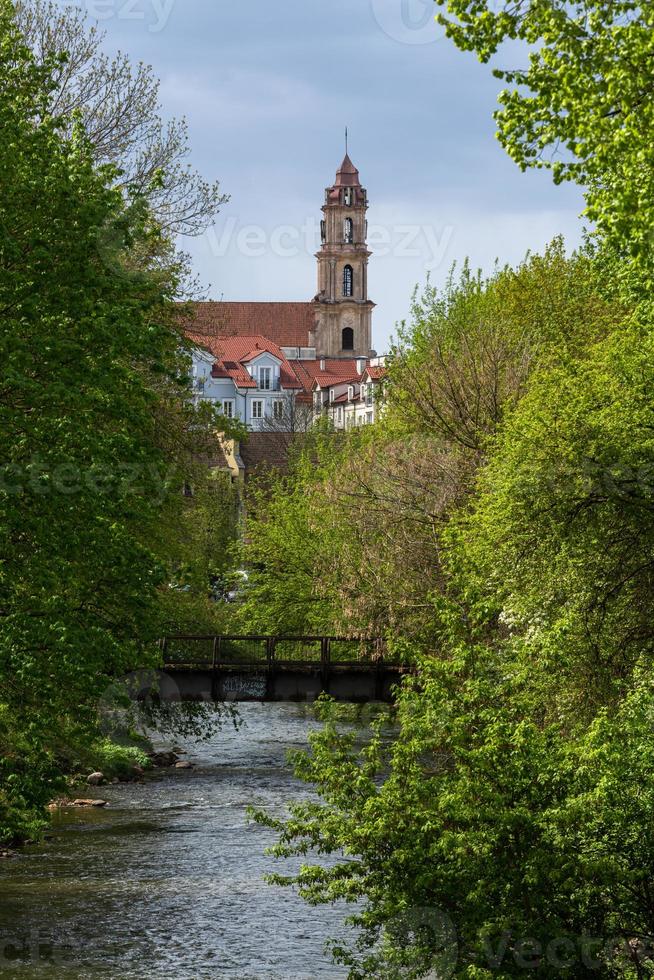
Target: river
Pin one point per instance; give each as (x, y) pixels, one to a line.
(167, 881)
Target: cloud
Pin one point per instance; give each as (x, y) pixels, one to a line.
(267, 90)
(241, 97)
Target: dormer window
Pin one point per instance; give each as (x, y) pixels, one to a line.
(265, 378)
(348, 231)
(348, 281)
(350, 393)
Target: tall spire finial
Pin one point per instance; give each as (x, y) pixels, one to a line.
(346, 141)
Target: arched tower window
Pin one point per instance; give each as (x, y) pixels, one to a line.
(347, 196)
(348, 281)
(348, 231)
(347, 339)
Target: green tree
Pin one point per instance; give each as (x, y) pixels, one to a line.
(513, 804)
(118, 104)
(530, 843)
(581, 106)
(291, 538)
(352, 540)
(97, 427)
(561, 536)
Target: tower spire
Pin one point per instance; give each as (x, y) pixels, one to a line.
(343, 309)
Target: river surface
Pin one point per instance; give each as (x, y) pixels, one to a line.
(167, 881)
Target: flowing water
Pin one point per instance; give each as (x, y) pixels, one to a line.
(167, 881)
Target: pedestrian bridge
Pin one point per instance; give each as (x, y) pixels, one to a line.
(277, 668)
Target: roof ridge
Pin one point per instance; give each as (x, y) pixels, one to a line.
(252, 302)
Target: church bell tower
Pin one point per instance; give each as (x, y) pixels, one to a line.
(344, 312)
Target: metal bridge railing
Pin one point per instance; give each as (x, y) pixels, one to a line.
(203, 651)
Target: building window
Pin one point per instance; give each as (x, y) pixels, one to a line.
(348, 232)
(370, 391)
(350, 393)
(369, 418)
(331, 394)
(278, 410)
(265, 378)
(348, 281)
(347, 196)
(323, 231)
(347, 339)
(257, 409)
(228, 408)
(340, 413)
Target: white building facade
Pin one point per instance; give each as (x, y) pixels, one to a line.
(256, 389)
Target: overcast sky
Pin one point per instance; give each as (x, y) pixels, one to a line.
(268, 88)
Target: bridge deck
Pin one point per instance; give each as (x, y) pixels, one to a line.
(277, 668)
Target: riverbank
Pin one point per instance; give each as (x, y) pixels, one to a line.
(126, 771)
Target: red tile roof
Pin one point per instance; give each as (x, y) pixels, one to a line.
(230, 369)
(335, 371)
(232, 353)
(221, 329)
(375, 373)
(251, 355)
(286, 324)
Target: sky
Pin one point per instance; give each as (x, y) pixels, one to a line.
(267, 90)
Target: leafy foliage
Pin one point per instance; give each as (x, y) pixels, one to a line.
(352, 540)
(507, 825)
(515, 803)
(97, 428)
(579, 103)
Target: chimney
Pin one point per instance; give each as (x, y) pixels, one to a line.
(322, 364)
